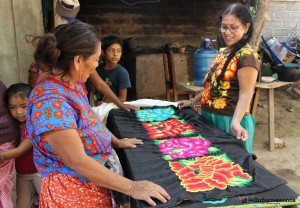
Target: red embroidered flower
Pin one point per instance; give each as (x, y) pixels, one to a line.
(207, 173)
(39, 91)
(205, 96)
(37, 114)
(57, 128)
(48, 113)
(58, 114)
(39, 104)
(73, 125)
(168, 128)
(56, 104)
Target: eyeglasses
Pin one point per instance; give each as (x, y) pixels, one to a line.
(117, 51)
(232, 29)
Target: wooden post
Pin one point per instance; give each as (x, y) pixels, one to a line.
(259, 22)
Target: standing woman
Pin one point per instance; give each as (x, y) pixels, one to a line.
(229, 82)
(71, 145)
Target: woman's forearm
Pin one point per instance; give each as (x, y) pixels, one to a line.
(81, 163)
(102, 87)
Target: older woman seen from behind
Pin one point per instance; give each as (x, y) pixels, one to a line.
(71, 146)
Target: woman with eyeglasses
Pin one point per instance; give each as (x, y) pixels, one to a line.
(229, 82)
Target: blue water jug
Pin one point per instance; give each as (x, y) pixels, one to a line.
(203, 59)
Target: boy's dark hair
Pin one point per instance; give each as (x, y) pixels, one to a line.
(109, 40)
(19, 89)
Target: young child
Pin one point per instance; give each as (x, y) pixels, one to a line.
(9, 135)
(116, 76)
(27, 176)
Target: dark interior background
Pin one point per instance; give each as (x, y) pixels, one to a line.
(152, 24)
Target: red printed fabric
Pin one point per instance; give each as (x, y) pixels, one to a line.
(62, 190)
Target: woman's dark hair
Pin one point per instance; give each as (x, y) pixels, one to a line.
(243, 14)
(19, 89)
(57, 50)
(109, 40)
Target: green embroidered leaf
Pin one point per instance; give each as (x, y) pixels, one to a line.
(185, 163)
(188, 132)
(239, 181)
(167, 157)
(198, 136)
(157, 142)
(224, 157)
(176, 117)
(213, 150)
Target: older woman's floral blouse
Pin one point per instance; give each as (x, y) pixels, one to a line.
(55, 106)
(221, 98)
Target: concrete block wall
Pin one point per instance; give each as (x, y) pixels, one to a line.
(153, 24)
(284, 19)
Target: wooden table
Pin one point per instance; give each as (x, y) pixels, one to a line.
(270, 87)
(189, 87)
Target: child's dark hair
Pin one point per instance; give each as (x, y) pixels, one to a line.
(243, 14)
(109, 40)
(19, 89)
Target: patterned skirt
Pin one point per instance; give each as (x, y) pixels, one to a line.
(62, 190)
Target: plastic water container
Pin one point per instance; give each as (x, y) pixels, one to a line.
(203, 59)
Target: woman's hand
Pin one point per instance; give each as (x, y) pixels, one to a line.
(239, 131)
(127, 107)
(128, 143)
(184, 104)
(145, 190)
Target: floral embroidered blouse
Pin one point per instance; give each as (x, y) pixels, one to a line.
(55, 106)
(222, 98)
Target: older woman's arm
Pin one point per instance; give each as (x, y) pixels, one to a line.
(97, 173)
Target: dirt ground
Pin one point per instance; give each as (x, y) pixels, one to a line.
(283, 162)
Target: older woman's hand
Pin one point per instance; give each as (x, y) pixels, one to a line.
(145, 190)
(128, 143)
